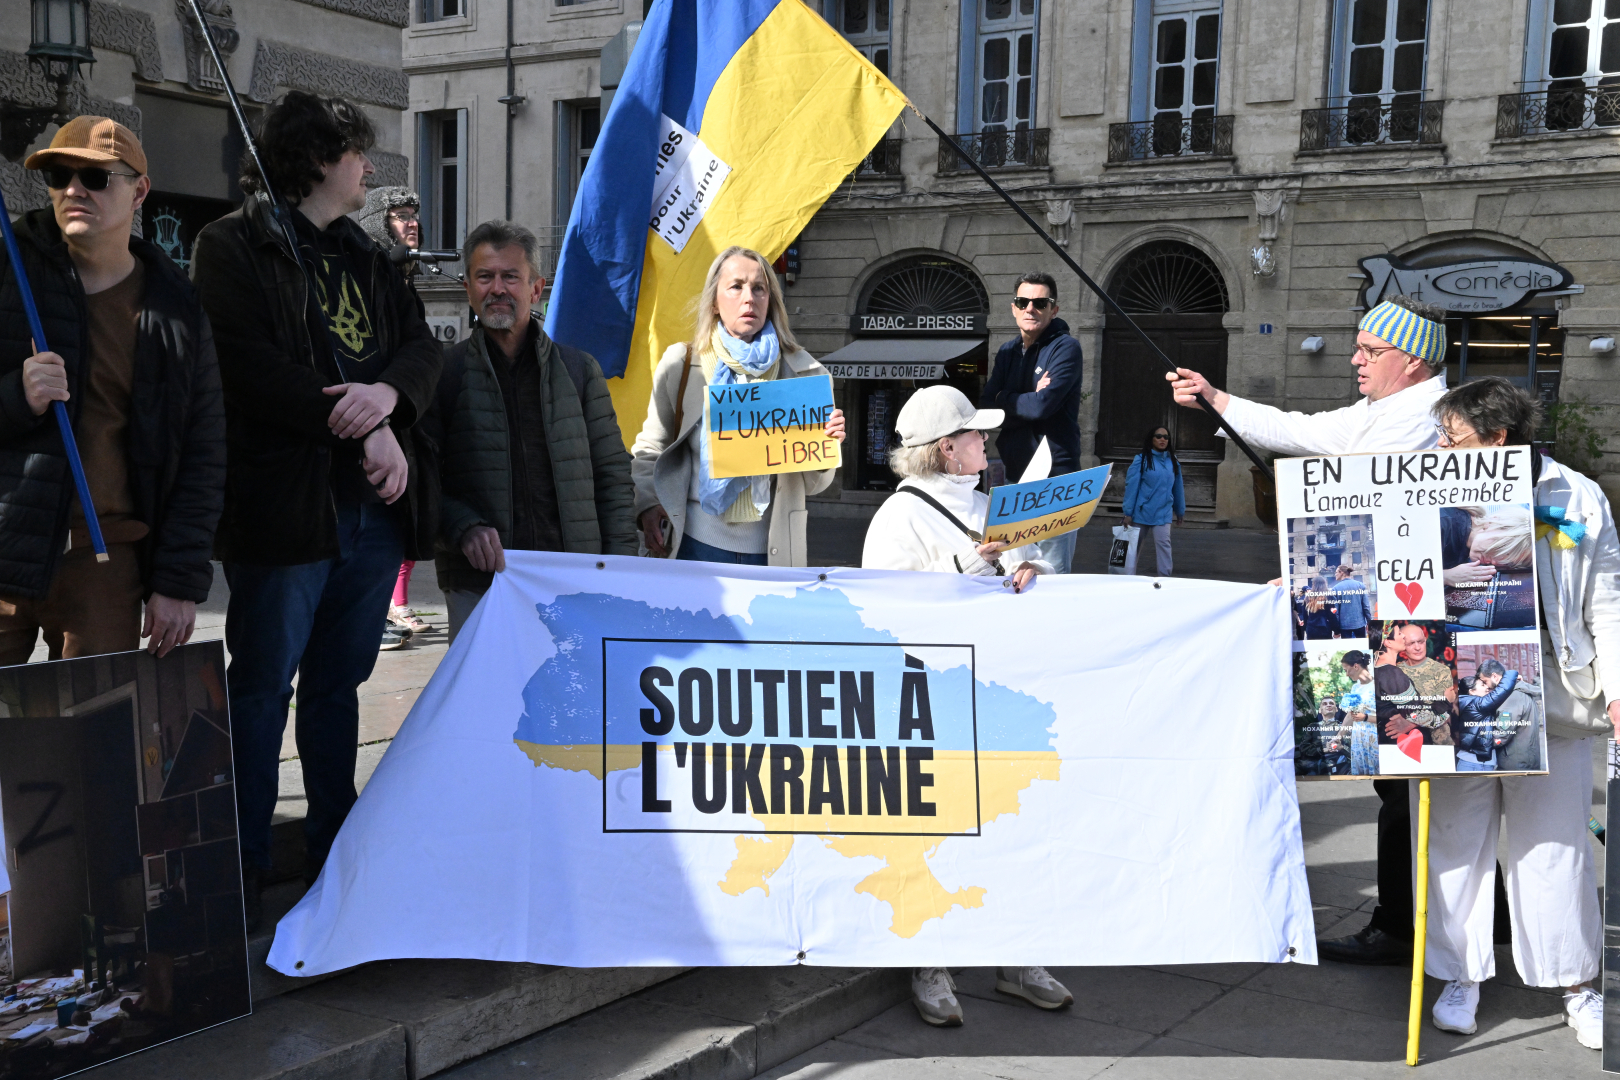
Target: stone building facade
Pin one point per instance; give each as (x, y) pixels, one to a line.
(505, 104)
(1245, 175)
(153, 74)
(1225, 169)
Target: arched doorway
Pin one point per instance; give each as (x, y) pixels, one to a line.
(918, 321)
(1177, 295)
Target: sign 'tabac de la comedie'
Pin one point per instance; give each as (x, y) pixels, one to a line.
(756, 429)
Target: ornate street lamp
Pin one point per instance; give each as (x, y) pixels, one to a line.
(60, 45)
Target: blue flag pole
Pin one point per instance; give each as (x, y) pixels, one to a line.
(63, 424)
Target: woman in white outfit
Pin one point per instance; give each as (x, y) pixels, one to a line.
(1548, 868)
(927, 525)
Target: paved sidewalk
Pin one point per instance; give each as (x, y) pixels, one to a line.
(1212, 1022)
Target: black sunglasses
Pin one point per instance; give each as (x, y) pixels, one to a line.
(93, 177)
(1041, 302)
(1156, 437)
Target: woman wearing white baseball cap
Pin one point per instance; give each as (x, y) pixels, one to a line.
(925, 526)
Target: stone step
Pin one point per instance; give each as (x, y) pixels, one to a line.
(266, 982)
(392, 1020)
(721, 1023)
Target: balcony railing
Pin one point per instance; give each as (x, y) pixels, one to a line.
(1170, 136)
(1561, 108)
(884, 160)
(1026, 148)
(551, 239)
(1372, 124)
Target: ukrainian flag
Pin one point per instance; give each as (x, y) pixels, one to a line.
(732, 124)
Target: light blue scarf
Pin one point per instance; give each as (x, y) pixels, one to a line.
(756, 358)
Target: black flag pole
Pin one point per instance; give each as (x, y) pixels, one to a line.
(278, 209)
(1113, 305)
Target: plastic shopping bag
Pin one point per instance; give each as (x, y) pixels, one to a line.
(1122, 553)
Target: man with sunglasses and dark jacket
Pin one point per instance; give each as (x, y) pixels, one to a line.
(131, 356)
(1036, 382)
(327, 366)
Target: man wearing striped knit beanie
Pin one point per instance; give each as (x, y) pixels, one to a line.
(1400, 363)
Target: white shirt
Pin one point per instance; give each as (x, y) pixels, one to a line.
(908, 534)
(1400, 422)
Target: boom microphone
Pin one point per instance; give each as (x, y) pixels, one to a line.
(402, 253)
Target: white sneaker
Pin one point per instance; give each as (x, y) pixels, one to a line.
(1456, 1007)
(1035, 985)
(1584, 1011)
(933, 992)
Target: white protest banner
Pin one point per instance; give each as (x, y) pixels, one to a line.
(1413, 582)
(643, 762)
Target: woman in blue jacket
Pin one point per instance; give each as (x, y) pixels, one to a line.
(1154, 496)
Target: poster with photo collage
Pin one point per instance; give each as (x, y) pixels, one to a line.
(1412, 580)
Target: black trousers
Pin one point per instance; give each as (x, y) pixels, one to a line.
(1394, 915)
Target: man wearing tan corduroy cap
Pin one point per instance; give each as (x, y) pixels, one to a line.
(131, 355)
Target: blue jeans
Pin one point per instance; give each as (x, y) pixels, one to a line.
(694, 550)
(322, 621)
(1059, 551)
(1467, 762)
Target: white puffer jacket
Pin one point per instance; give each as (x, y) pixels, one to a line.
(1580, 595)
(908, 534)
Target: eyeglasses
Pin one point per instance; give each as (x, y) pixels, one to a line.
(93, 177)
(1041, 302)
(1453, 438)
(1157, 437)
(1373, 354)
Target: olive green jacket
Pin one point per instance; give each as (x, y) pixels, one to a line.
(589, 463)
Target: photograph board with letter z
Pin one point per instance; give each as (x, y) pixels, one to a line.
(760, 428)
(122, 879)
(1412, 587)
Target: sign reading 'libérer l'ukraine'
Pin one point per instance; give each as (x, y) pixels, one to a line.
(755, 429)
(1042, 509)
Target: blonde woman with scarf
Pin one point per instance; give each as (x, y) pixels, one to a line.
(742, 336)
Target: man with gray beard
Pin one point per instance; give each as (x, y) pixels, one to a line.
(531, 457)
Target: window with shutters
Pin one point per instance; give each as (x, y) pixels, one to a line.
(442, 176)
(1376, 89)
(1380, 51)
(1185, 59)
(865, 25)
(1005, 65)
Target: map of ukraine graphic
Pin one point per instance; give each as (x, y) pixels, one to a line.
(561, 728)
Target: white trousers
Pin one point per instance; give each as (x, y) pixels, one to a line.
(1549, 872)
(1160, 535)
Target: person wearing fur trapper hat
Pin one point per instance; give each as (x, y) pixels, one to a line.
(389, 218)
(390, 215)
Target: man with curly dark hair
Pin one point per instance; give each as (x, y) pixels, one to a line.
(327, 366)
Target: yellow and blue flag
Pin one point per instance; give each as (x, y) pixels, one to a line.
(734, 121)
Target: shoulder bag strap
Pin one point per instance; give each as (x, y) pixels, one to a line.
(937, 505)
(680, 391)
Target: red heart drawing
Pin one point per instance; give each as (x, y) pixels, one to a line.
(1411, 744)
(1409, 593)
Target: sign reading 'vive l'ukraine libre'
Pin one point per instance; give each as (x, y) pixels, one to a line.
(755, 429)
(1042, 509)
